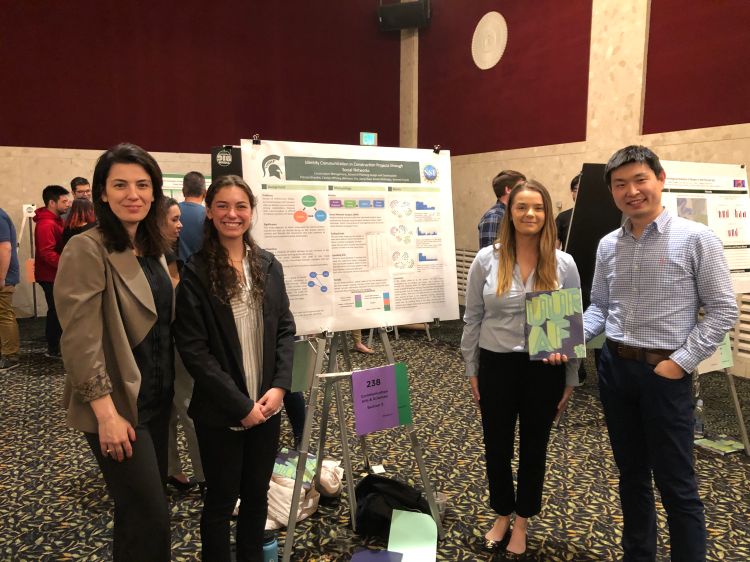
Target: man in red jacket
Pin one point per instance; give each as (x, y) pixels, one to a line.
(47, 234)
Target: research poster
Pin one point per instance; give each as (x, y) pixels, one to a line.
(717, 196)
(365, 234)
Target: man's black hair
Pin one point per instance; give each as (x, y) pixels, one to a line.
(75, 182)
(629, 155)
(194, 185)
(576, 181)
(53, 193)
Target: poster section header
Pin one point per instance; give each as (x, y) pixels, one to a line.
(360, 253)
(342, 170)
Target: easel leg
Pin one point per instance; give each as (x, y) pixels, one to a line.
(301, 464)
(738, 410)
(345, 349)
(305, 446)
(386, 345)
(429, 492)
(333, 350)
(323, 425)
(345, 453)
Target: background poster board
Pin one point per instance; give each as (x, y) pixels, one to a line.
(365, 234)
(594, 216)
(717, 196)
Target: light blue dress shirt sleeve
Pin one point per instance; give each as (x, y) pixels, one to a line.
(595, 316)
(716, 296)
(474, 313)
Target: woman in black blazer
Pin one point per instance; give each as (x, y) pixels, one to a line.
(235, 333)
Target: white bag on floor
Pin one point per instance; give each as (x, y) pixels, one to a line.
(280, 493)
(331, 473)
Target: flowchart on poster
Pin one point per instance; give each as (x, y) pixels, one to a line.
(717, 196)
(365, 234)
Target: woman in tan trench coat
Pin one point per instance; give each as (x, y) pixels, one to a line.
(115, 302)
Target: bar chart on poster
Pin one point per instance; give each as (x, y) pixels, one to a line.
(717, 196)
(364, 233)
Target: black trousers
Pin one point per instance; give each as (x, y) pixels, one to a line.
(141, 527)
(513, 388)
(650, 425)
(52, 329)
(237, 464)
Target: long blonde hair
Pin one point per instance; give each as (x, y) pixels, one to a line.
(546, 267)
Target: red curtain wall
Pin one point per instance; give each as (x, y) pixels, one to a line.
(184, 76)
(536, 95)
(697, 65)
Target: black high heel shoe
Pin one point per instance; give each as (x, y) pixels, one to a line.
(493, 545)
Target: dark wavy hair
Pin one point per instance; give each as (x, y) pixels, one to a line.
(81, 213)
(225, 282)
(149, 239)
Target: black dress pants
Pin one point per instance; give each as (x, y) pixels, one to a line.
(513, 388)
(236, 464)
(52, 329)
(141, 526)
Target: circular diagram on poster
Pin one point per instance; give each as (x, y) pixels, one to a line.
(489, 40)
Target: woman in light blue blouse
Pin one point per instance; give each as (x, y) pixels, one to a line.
(504, 382)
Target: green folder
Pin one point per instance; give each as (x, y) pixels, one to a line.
(413, 534)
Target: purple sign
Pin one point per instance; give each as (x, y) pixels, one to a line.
(374, 398)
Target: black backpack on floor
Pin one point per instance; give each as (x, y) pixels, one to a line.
(377, 497)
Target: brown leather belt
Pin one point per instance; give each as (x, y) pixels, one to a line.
(649, 356)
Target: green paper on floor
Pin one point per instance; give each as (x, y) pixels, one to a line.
(414, 535)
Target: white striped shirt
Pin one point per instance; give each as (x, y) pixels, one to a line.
(248, 318)
(646, 292)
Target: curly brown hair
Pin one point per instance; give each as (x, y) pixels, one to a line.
(225, 282)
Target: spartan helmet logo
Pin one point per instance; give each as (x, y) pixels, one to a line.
(271, 167)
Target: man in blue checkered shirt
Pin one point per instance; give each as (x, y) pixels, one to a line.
(490, 222)
(652, 275)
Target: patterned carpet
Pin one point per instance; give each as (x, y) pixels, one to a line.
(53, 504)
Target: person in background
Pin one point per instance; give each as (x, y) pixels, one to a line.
(116, 304)
(10, 343)
(235, 333)
(508, 387)
(183, 383)
(563, 219)
(488, 226)
(81, 188)
(359, 345)
(192, 215)
(47, 236)
(652, 276)
(80, 218)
